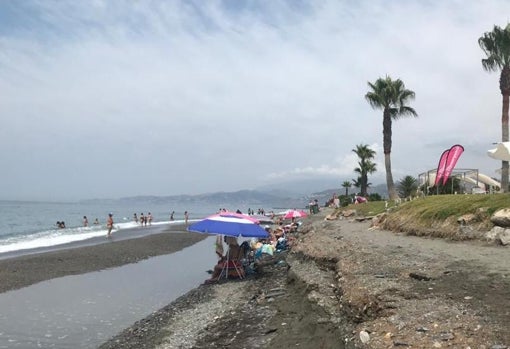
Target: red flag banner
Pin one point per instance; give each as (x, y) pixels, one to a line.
(451, 160)
(441, 166)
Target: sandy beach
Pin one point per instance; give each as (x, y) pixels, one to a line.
(343, 285)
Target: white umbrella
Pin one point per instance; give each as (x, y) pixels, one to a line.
(501, 152)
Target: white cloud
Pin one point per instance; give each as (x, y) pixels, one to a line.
(186, 97)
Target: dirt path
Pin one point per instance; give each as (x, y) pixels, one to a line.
(410, 291)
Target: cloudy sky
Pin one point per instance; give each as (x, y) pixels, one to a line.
(105, 99)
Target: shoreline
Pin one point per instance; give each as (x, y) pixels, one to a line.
(30, 267)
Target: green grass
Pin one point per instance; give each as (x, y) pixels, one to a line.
(438, 207)
(437, 215)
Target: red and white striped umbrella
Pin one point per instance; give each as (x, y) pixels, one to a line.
(295, 214)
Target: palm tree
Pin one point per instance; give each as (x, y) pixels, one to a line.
(407, 186)
(392, 97)
(366, 166)
(496, 45)
(356, 182)
(346, 185)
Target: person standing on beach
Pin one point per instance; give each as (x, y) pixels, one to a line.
(186, 217)
(172, 216)
(142, 219)
(109, 224)
(149, 218)
(85, 221)
(135, 218)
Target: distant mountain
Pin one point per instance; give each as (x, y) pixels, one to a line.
(291, 194)
(242, 198)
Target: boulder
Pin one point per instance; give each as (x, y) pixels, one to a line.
(501, 218)
(499, 235)
(503, 238)
(491, 235)
(379, 219)
(348, 213)
(330, 217)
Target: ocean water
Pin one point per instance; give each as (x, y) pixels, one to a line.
(83, 311)
(32, 225)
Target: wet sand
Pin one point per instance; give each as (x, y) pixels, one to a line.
(78, 258)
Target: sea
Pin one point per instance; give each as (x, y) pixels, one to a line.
(84, 311)
(29, 226)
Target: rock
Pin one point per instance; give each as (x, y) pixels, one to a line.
(467, 219)
(364, 337)
(499, 235)
(501, 218)
(349, 213)
(491, 235)
(364, 218)
(401, 344)
(420, 277)
(422, 329)
(446, 336)
(503, 237)
(331, 217)
(379, 219)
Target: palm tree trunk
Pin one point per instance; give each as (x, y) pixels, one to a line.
(504, 126)
(392, 193)
(364, 182)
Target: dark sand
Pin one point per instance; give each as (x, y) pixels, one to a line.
(22, 271)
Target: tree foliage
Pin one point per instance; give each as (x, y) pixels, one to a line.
(407, 186)
(365, 166)
(346, 185)
(496, 46)
(392, 97)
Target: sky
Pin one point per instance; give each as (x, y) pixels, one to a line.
(108, 99)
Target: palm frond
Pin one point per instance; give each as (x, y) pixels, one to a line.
(496, 46)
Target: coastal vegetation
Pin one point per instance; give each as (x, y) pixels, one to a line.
(496, 45)
(407, 187)
(437, 215)
(392, 97)
(365, 166)
(347, 185)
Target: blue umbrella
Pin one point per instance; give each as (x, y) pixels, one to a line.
(230, 224)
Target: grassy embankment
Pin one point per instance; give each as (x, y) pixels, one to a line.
(438, 215)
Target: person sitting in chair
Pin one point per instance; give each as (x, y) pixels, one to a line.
(228, 261)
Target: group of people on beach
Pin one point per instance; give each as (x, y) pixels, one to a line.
(86, 221)
(144, 220)
(250, 255)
